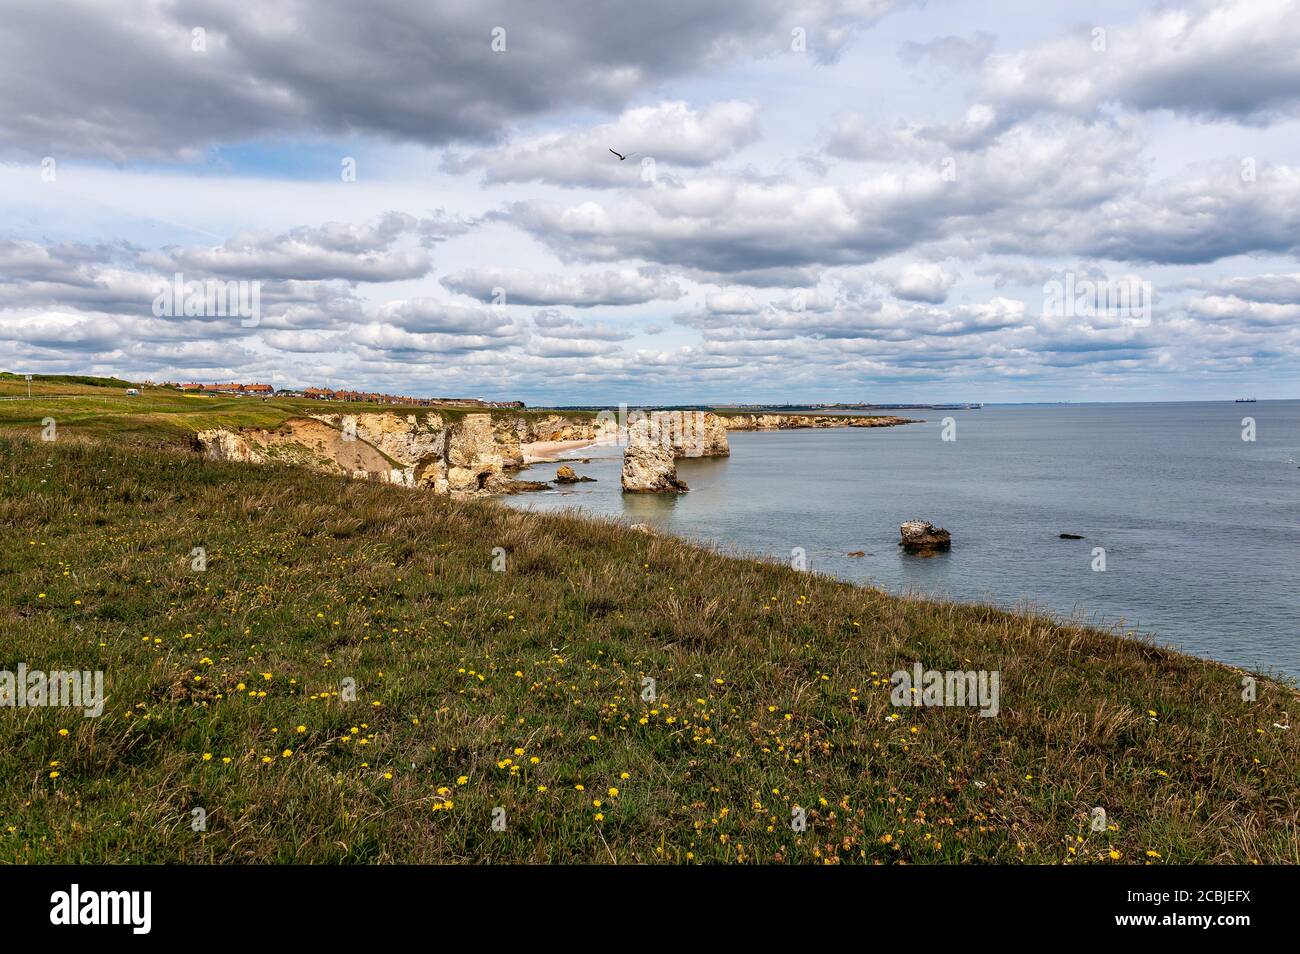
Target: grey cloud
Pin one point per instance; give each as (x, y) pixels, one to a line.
(1232, 59)
(949, 54)
(122, 80)
(1012, 196)
(429, 316)
(553, 324)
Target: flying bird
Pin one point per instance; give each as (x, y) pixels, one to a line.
(621, 157)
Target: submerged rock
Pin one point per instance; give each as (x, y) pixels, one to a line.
(858, 553)
(565, 475)
(920, 536)
(522, 486)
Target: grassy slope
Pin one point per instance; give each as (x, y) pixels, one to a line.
(772, 693)
(100, 407)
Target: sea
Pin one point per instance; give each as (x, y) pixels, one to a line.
(1189, 513)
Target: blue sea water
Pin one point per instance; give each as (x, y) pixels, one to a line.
(1201, 529)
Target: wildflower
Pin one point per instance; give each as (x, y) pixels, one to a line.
(207, 756)
(63, 732)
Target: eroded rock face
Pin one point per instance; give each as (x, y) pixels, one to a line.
(447, 454)
(308, 443)
(648, 462)
(920, 536)
(416, 443)
(474, 464)
(226, 445)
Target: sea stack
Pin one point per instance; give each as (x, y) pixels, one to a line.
(921, 536)
(648, 465)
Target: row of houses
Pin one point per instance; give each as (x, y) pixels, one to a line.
(331, 394)
(255, 390)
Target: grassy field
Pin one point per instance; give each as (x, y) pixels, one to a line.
(519, 695)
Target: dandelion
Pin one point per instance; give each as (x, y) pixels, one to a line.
(63, 732)
(207, 756)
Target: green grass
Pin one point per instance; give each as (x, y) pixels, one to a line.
(43, 384)
(772, 693)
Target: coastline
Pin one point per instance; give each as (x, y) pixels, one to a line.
(546, 452)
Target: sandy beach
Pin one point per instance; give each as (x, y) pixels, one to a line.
(542, 452)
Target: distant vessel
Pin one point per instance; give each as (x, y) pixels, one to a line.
(1245, 401)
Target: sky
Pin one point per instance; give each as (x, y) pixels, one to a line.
(822, 201)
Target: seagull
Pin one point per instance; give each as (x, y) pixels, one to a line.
(621, 157)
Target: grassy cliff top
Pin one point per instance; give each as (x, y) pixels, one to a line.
(101, 407)
(526, 690)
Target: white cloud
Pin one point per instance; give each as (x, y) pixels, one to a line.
(650, 137)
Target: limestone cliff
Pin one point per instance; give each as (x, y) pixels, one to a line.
(772, 422)
(303, 442)
(463, 455)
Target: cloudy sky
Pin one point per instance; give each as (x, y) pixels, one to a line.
(831, 200)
